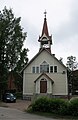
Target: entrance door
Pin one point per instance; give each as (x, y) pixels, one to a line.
(43, 86)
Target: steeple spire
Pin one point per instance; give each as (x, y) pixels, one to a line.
(45, 40)
(45, 28)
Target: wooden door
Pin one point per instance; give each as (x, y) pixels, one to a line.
(43, 86)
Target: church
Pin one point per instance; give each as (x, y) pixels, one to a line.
(44, 75)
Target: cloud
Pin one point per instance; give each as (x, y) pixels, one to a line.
(66, 35)
(69, 29)
(62, 16)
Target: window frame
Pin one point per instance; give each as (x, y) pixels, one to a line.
(37, 69)
(33, 69)
(51, 70)
(44, 67)
(55, 69)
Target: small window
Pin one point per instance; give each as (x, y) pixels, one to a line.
(55, 69)
(33, 69)
(44, 67)
(51, 69)
(47, 69)
(37, 69)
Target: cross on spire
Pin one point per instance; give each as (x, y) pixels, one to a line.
(45, 13)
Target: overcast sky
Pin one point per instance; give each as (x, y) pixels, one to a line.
(62, 20)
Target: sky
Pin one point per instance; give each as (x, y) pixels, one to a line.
(62, 20)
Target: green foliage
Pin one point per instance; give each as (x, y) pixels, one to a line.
(55, 106)
(58, 106)
(71, 62)
(12, 54)
(73, 107)
(45, 104)
(18, 95)
(72, 82)
(11, 39)
(41, 104)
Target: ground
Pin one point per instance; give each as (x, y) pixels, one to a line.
(14, 114)
(20, 104)
(15, 111)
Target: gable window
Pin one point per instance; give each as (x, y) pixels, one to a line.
(44, 67)
(33, 69)
(37, 69)
(55, 69)
(51, 69)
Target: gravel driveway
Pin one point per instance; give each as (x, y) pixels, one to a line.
(14, 114)
(20, 105)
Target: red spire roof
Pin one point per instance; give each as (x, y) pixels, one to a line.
(45, 31)
(45, 28)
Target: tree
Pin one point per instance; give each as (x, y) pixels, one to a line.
(75, 83)
(72, 65)
(23, 60)
(12, 39)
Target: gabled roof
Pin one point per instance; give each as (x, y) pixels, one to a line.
(44, 49)
(44, 74)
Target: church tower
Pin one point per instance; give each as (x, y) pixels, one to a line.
(45, 40)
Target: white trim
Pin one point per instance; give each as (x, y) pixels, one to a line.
(27, 93)
(66, 84)
(24, 82)
(53, 68)
(60, 94)
(49, 69)
(47, 64)
(35, 69)
(44, 35)
(43, 61)
(32, 70)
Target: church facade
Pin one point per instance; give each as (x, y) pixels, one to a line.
(45, 75)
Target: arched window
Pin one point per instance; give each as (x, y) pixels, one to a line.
(44, 67)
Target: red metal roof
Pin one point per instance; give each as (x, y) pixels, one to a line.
(45, 31)
(45, 28)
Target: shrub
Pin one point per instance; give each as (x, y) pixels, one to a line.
(45, 104)
(18, 95)
(56, 106)
(73, 107)
(41, 105)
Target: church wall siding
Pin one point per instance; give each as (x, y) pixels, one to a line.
(49, 85)
(59, 86)
(60, 79)
(44, 56)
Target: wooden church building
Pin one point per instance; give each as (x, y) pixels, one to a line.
(45, 75)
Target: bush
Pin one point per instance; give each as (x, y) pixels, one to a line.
(18, 95)
(56, 106)
(45, 104)
(73, 107)
(41, 105)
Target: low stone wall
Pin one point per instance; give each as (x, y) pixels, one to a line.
(27, 97)
(35, 96)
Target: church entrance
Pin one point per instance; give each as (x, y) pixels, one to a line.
(43, 86)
